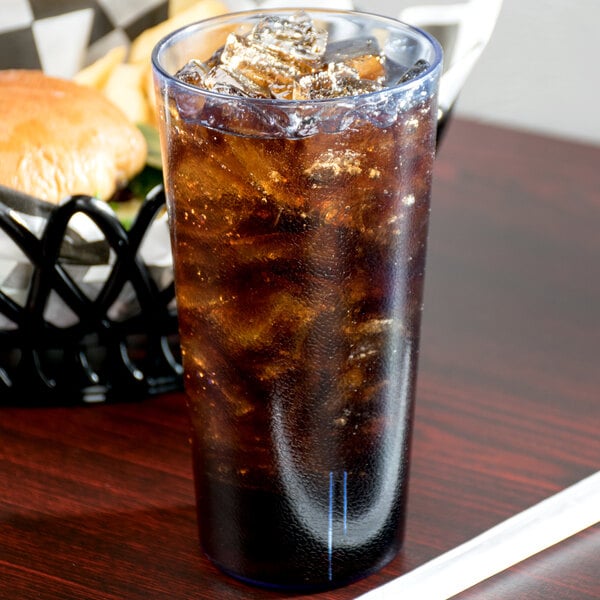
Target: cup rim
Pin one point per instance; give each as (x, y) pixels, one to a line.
(434, 65)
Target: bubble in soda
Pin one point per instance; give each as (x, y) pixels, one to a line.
(289, 58)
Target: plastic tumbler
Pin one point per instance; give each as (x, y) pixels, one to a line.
(299, 229)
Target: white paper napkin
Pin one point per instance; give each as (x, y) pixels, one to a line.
(525, 534)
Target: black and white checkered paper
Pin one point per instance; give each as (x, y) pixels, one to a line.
(62, 36)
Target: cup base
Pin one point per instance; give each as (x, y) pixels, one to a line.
(307, 586)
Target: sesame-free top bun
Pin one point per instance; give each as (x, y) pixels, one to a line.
(58, 138)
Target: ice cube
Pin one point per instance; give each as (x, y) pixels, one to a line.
(339, 50)
(290, 58)
(225, 80)
(193, 72)
(336, 81)
(417, 69)
(368, 66)
(296, 39)
(276, 52)
(362, 54)
(243, 56)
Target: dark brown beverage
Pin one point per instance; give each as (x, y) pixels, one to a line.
(299, 248)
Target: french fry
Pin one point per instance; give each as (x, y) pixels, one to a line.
(142, 46)
(178, 6)
(97, 74)
(124, 88)
(126, 79)
(151, 98)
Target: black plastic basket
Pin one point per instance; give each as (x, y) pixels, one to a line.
(96, 358)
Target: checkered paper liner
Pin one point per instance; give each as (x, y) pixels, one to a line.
(62, 36)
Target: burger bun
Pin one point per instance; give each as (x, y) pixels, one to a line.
(59, 138)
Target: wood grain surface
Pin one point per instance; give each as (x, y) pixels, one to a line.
(96, 502)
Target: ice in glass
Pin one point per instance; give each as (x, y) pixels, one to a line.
(298, 151)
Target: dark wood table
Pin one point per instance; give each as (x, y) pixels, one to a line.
(97, 502)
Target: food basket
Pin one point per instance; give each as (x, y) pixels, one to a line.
(90, 319)
(84, 320)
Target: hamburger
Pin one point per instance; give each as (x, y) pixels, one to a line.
(59, 138)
